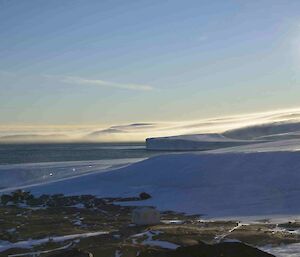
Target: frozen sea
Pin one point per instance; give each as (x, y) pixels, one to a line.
(27, 164)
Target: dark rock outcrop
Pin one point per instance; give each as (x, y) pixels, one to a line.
(144, 196)
(72, 253)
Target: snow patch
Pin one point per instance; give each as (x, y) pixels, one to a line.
(290, 250)
(151, 242)
(5, 245)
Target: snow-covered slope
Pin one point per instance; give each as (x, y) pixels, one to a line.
(195, 142)
(274, 130)
(279, 145)
(232, 184)
(260, 133)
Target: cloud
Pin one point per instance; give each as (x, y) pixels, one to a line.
(139, 131)
(102, 83)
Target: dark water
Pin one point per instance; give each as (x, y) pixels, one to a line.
(33, 153)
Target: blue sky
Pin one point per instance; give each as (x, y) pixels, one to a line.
(110, 62)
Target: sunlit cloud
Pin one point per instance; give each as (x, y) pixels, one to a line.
(142, 130)
(101, 83)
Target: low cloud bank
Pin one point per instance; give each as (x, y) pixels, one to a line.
(259, 124)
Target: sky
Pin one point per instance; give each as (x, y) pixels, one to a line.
(100, 63)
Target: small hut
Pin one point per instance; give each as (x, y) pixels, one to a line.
(145, 216)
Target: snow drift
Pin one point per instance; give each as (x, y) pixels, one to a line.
(217, 185)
